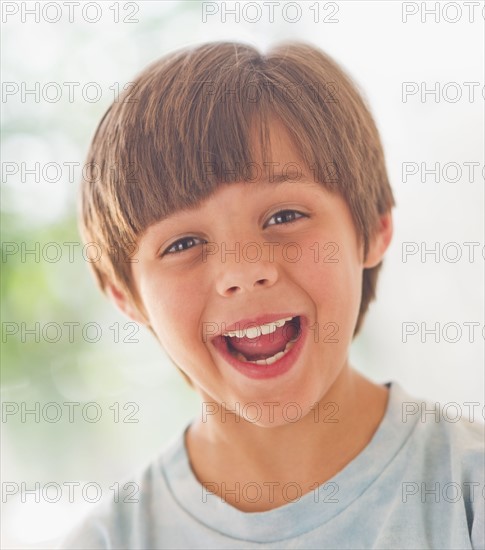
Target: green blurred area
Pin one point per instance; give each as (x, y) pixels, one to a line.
(36, 290)
(63, 342)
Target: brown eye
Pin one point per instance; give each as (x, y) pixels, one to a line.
(182, 244)
(285, 216)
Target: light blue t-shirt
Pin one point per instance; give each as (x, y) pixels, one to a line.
(419, 484)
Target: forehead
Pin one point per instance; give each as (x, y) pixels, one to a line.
(240, 197)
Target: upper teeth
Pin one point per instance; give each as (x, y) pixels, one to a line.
(255, 332)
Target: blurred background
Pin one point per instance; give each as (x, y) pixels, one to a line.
(88, 397)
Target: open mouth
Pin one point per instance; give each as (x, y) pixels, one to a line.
(266, 344)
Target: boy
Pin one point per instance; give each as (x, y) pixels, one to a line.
(255, 189)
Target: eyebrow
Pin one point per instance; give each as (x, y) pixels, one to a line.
(279, 178)
(284, 178)
(303, 179)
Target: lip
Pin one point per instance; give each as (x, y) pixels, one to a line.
(254, 322)
(261, 372)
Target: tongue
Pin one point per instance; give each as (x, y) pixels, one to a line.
(265, 345)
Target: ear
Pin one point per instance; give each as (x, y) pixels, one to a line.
(380, 241)
(125, 304)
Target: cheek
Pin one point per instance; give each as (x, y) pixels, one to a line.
(174, 306)
(334, 287)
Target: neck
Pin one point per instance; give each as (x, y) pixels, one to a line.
(307, 452)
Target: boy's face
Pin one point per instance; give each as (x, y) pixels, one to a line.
(305, 262)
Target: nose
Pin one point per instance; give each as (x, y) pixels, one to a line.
(241, 270)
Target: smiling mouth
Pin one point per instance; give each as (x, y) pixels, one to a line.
(268, 348)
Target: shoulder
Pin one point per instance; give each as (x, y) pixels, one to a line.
(128, 518)
(442, 431)
(445, 456)
(458, 427)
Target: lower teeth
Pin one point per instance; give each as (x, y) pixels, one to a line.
(268, 360)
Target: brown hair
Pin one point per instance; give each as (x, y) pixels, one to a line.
(171, 139)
